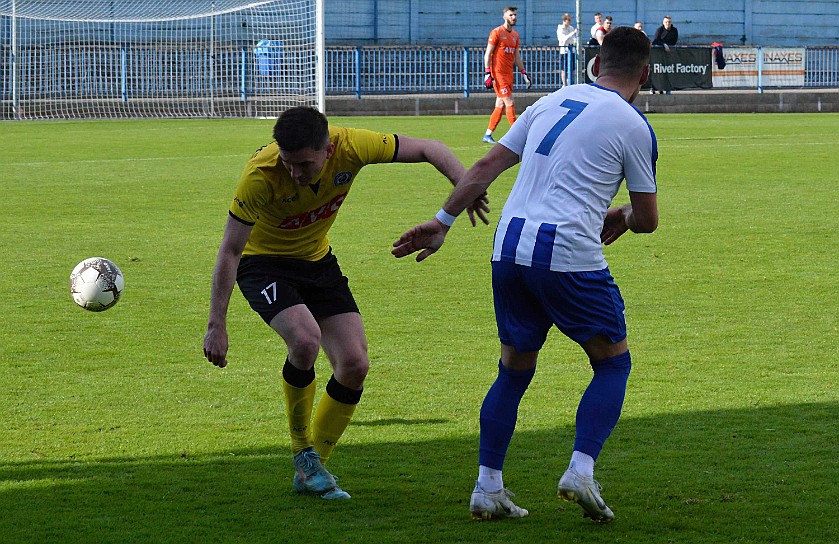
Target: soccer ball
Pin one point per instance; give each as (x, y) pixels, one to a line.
(96, 284)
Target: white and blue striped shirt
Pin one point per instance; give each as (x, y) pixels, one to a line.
(576, 146)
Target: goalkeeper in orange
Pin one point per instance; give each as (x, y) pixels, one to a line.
(501, 54)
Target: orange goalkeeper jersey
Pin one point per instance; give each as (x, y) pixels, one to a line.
(506, 44)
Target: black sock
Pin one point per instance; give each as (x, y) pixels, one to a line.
(342, 393)
(296, 377)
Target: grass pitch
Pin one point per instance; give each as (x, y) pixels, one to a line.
(115, 429)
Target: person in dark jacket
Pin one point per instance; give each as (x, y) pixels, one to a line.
(667, 34)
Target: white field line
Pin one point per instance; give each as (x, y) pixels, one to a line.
(670, 145)
(243, 156)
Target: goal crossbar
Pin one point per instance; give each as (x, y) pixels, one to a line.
(221, 59)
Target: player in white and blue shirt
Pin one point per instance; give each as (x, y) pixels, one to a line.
(576, 146)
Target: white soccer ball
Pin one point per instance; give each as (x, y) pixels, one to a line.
(96, 284)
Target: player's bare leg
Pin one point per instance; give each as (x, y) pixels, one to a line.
(343, 340)
(302, 336)
(345, 345)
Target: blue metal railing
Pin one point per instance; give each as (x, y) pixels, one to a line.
(235, 71)
(441, 71)
(394, 70)
(822, 67)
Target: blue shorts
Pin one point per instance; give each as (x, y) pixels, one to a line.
(528, 301)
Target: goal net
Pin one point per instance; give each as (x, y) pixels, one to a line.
(96, 59)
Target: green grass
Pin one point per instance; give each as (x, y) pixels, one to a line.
(114, 428)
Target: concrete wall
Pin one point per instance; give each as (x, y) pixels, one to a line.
(468, 22)
(792, 101)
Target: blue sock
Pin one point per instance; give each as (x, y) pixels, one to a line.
(601, 405)
(499, 413)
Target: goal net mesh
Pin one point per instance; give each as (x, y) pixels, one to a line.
(70, 59)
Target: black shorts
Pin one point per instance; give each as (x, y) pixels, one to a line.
(271, 284)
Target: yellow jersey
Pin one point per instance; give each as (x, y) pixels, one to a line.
(291, 220)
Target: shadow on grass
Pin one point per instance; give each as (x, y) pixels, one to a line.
(760, 475)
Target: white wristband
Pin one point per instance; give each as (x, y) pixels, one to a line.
(445, 217)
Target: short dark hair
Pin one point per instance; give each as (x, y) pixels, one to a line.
(301, 127)
(510, 8)
(625, 52)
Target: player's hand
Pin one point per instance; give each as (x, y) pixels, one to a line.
(526, 79)
(614, 225)
(427, 237)
(480, 207)
(488, 82)
(215, 346)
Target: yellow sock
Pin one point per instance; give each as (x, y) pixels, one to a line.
(331, 420)
(299, 402)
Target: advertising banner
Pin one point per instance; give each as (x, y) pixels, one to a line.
(781, 67)
(681, 68)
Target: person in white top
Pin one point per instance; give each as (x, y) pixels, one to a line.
(603, 30)
(566, 35)
(640, 26)
(576, 146)
(598, 22)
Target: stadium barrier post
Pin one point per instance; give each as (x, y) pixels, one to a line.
(466, 72)
(357, 63)
(760, 70)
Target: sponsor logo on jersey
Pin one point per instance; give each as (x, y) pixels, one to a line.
(307, 218)
(342, 178)
(240, 203)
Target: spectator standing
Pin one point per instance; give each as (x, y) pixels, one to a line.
(598, 22)
(502, 53)
(640, 26)
(603, 30)
(566, 35)
(666, 35)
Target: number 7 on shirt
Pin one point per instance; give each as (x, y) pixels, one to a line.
(575, 108)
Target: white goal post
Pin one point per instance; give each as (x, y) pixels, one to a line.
(101, 59)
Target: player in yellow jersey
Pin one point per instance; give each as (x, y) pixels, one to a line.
(275, 246)
(502, 53)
